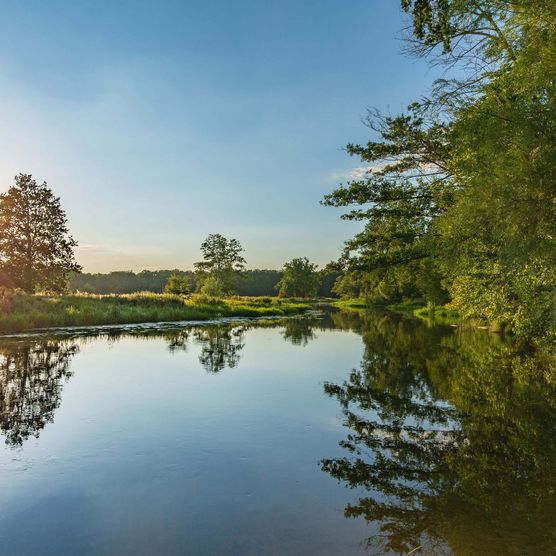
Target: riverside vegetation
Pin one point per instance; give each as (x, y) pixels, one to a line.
(457, 194)
(20, 312)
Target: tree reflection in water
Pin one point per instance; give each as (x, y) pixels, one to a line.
(452, 436)
(300, 331)
(220, 346)
(31, 378)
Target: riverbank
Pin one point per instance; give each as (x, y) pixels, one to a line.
(20, 313)
(417, 309)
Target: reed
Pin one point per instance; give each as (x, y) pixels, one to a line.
(22, 312)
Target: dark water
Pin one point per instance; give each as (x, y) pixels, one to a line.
(347, 434)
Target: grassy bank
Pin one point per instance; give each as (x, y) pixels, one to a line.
(418, 309)
(26, 312)
(351, 304)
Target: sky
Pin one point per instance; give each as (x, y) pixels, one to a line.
(158, 123)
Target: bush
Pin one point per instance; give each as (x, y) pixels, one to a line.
(213, 287)
(179, 285)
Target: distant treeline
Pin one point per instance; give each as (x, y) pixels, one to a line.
(253, 282)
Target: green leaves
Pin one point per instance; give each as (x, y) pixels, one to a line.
(460, 192)
(300, 279)
(221, 266)
(178, 284)
(36, 250)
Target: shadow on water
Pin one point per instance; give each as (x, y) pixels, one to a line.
(451, 440)
(450, 443)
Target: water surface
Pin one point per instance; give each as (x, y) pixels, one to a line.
(347, 434)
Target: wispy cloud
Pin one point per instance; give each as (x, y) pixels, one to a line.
(361, 172)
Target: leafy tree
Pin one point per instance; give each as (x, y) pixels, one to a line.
(222, 263)
(36, 250)
(300, 279)
(328, 277)
(459, 197)
(212, 286)
(178, 284)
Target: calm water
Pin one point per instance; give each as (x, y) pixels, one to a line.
(346, 434)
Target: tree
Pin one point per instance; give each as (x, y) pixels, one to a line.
(177, 284)
(222, 264)
(459, 200)
(300, 279)
(36, 250)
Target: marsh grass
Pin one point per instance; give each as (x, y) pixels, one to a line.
(27, 312)
(351, 304)
(438, 314)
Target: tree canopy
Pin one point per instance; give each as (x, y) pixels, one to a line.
(300, 279)
(459, 198)
(36, 250)
(178, 284)
(221, 265)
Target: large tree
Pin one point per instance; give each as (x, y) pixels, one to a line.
(221, 266)
(460, 191)
(36, 250)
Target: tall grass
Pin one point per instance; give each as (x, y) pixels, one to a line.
(25, 312)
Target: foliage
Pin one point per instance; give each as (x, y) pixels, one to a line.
(213, 286)
(126, 281)
(255, 282)
(300, 279)
(178, 284)
(258, 282)
(36, 251)
(328, 278)
(459, 201)
(222, 263)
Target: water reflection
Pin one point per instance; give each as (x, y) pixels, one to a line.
(220, 346)
(452, 439)
(32, 371)
(31, 379)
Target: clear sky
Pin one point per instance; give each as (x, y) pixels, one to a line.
(159, 122)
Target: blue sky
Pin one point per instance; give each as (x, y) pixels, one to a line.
(161, 122)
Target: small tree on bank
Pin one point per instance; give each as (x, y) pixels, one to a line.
(178, 284)
(221, 266)
(36, 250)
(300, 279)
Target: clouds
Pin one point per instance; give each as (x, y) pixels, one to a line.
(358, 173)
